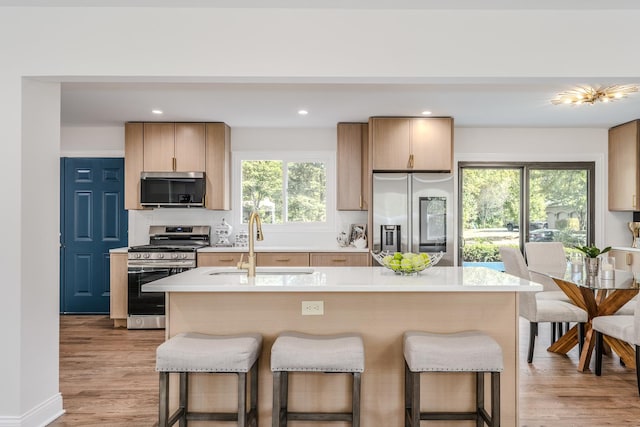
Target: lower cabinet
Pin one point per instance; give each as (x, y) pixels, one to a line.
(118, 289)
(338, 259)
(286, 259)
(282, 259)
(626, 260)
(220, 259)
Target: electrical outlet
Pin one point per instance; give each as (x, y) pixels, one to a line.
(312, 308)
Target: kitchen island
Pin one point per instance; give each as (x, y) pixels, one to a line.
(370, 300)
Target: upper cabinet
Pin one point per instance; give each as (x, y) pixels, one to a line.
(624, 171)
(353, 167)
(218, 166)
(411, 144)
(174, 147)
(179, 147)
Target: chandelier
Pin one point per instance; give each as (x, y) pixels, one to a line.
(591, 95)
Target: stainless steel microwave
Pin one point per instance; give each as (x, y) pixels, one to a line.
(172, 189)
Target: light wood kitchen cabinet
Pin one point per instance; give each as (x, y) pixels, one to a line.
(338, 259)
(218, 166)
(282, 259)
(174, 147)
(624, 168)
(411, 144)
(180, 147)
(220, 259)
(133, 164)
(626, 260)
(353, 167)
(118, 289)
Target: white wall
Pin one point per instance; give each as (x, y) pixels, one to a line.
(92, 141)
(251, 45)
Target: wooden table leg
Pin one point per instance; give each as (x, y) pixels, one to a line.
(622, 349)
(566, 342)
(587, 348)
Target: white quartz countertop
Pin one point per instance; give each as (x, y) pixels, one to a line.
(282, 249)
(627, 248)
(267, 249)
(341, 279)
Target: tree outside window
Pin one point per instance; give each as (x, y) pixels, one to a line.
(284, 191)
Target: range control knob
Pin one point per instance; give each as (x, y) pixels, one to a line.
(160, 256)
(137, 256)
(145, 255)
(174, 256)
(184, 256)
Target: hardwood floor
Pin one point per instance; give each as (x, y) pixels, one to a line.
(107, 378)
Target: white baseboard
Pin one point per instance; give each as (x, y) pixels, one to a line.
(38, 416)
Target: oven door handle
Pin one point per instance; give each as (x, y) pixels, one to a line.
(159, 266)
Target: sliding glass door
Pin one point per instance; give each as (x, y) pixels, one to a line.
(512, 203)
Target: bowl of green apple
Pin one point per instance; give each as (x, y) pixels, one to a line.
(407, 263)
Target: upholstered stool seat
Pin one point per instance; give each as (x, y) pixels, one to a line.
(298, 352)
(468, 351)
(193, 352)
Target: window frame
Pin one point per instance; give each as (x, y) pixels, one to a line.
(526, 167)
(326, 157)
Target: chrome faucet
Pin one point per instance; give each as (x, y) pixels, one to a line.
(250, 265)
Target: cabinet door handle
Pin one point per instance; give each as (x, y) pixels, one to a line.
(283, 259)
(226, 259)
(410, 161)
(174, 164)
(629, 259)
(361, 201)
(339, 260)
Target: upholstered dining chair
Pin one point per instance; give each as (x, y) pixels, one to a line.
(622, 327)
(537, 307)
(548, 257)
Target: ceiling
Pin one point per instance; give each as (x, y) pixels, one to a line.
(501, 102)
(496, 103)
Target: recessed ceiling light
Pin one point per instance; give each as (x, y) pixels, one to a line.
(156, 111)
(426, 113)
(303, 112)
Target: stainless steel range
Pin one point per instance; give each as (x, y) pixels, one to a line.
(171, 250)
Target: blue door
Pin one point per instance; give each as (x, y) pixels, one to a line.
(92, 221)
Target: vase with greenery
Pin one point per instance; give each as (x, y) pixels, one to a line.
(592, 261)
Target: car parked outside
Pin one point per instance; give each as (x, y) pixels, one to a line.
(533, 225)
(543, 235)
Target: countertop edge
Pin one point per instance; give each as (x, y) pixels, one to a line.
(349, 279)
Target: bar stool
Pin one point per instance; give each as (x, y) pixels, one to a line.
(192, 352)
(468, 351)
(298, 352)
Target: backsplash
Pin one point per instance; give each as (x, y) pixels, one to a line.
(140, 220)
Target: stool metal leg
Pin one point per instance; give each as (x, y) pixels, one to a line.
(184, 398)
(242, 399)
(479, 398)
(253, 411)
(495, 399)
(280, 394)
(355, 400)
(163, 415)
(407, 395)
(415, 399)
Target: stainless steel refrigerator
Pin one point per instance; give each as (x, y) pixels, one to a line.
(413, 212)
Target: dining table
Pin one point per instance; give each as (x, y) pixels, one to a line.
(598, 296)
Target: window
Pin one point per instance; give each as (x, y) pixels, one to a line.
(288, 190)
(554, 200)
